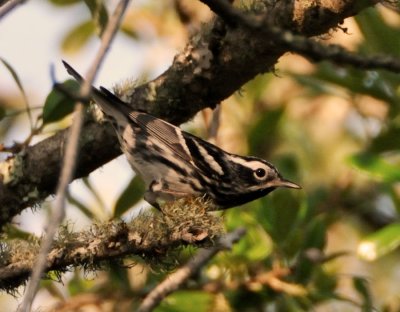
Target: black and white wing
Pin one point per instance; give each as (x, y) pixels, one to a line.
(170, 160)
(203, 156)
(186, 147)
(164, 132)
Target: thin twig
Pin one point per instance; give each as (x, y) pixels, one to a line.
(302, 45)
(8, 6)
(69, 161)
(175, 280)
(21, 89)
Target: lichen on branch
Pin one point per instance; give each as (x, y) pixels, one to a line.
(151, 236)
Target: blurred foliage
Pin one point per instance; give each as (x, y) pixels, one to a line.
(150, 20)
(381, 242)
(188, 301)
(57, 104)
(17, 81)
(99, 14)
(78, 37)
(300, 252)
(64, 2)
(14, 76)
(133, 192)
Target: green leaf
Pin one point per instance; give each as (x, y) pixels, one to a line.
(51, 287)
(315, 234)
(78, 284)
(377, 84)
(387, 140)
(325, 283)
(256, 245)
(314, 239)
(314, 85)
(358, 81)
(78, 37)
(130, 196)
(377, 166)
(279, 214)
(64, 2)
(81, 206)
(255, 89)
(118, 277)
(94, 192)
(13, 232)
(183, 301)
(57, 104)
(2, 112)
(265, 127)
(362, 287)
(99, 14)
(380, 243)
(129, 31)
(372, 26)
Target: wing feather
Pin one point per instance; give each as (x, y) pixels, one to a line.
(179, 142)
(200, 154)
(165, 132)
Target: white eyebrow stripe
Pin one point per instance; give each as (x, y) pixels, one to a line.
(238, 160)
(251, 164)
(214, 165)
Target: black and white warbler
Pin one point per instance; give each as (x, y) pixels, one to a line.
(175, 164)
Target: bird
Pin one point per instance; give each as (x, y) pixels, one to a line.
(175, 164)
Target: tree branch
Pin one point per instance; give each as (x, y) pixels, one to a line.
(311, 49)
(175, 280)
(150, 236)
(211, 67)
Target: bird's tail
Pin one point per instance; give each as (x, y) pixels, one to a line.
(109, 103)
(72, 72)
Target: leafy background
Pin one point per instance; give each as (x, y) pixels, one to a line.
(334, 130)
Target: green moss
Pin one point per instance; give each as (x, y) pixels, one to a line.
(11, 170)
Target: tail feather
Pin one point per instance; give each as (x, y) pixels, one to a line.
(72, 72)
(108, 101)
(112, 97)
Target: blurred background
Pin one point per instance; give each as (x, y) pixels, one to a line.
(331, 246)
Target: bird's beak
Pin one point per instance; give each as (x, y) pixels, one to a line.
(286, 183)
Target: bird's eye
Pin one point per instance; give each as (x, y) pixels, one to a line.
(260, 172)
